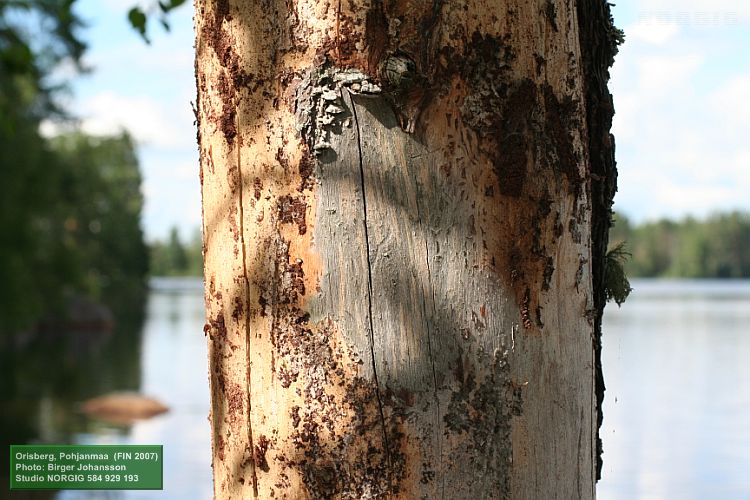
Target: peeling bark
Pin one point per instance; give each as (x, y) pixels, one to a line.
(599, 44)
(397, 222)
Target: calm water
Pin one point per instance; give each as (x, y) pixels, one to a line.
(676, 359)
(676, 414)
(162, 354)
(173, 370)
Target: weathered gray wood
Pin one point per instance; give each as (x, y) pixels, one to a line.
(340, 238)
(442, 324)
(434, 336)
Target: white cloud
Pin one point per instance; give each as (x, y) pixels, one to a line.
(656, 34)
(697, 13)
(660, 75)
(696, 198)
(144, 117)
(730, 102)
(169, 58)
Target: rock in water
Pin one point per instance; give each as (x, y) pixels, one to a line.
(122, 407)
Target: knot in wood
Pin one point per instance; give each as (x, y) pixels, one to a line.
(399, 72)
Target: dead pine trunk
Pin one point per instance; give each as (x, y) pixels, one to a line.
(398, 204)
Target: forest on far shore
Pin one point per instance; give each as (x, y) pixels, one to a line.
(175, 257)
(714, 247)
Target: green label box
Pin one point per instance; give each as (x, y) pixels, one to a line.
(91, 467)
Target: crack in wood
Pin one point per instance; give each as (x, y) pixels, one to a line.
(429, 341)
(578, 458)
(369, 289)
(248, 363)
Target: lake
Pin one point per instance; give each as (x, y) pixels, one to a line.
(676, 361)
(160, 354)
(175, 371)
(676, 414)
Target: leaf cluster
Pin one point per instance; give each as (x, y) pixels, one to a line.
(616, 284)
(139, 17)
(36, 36)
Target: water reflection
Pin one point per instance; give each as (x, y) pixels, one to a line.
(157, 349)
(677, 405)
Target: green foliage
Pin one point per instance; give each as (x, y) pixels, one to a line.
(70, 207)
(713, 248)
(174, 258)
(615, 35)
(139, 18)
(102, 206)
(28, 168)
(35, 36)
(74, 225)
(616, 284)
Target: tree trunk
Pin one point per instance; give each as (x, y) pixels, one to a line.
(397, 220)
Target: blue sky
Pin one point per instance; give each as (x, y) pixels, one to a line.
(681, 85)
